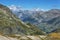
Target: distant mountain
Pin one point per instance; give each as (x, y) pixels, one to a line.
(10, 24)
(27, 15)
(45, 20)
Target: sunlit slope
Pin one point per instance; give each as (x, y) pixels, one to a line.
(10, 24)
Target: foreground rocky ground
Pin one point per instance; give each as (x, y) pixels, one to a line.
(52, 36)
(22, 38)
(6, 38)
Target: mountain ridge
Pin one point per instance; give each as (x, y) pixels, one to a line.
(13, 25)
(41, 18)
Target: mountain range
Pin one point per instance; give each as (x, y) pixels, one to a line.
(48, 21)
(10, 24)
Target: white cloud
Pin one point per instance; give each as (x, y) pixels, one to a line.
(12, 7)
(15, 8)
(39, 9)
(35, 9)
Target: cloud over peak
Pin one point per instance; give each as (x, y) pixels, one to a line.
(15, 8)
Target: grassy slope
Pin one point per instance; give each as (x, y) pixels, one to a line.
(10, 24)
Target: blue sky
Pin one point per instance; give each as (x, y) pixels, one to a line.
(29, 4)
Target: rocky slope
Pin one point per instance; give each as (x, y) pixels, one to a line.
(10, 24)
